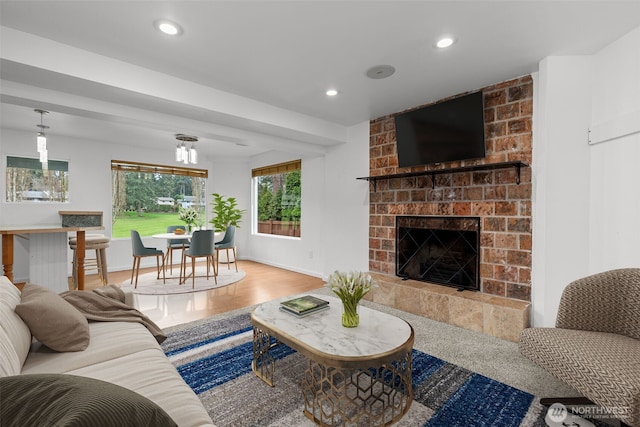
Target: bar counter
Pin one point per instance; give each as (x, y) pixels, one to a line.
(8, 233)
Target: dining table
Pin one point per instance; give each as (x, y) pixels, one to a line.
(184, 237)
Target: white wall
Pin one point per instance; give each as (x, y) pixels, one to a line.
(232, 178)
(615, 175)
(347, 204)
(561, 181)
(585, 196)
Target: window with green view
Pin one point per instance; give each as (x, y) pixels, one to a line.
(278, 195)
(148, 198)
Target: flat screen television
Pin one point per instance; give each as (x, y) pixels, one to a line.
(443, 132)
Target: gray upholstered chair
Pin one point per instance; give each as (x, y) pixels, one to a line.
(201, 246)
(227, 242)
(595, 346)
(174, 244)
(140, 251)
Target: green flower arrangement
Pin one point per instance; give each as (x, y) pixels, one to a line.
(350, 287)
(190, 216)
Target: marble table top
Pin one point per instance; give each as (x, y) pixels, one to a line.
(378, 333)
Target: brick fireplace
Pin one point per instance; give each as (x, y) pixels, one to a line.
(503, 206)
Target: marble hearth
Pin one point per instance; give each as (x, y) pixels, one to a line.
(493, 315)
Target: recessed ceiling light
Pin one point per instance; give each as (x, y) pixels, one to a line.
(168, 27)
(444, 42)
(332, 92)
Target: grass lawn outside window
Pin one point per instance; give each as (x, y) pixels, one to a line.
(148, 224)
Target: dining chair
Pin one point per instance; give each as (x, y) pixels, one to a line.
(227, 242)
(201, 247)
(174, 244)
(140, 251)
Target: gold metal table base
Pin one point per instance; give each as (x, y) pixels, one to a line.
(377, 396)
(263, 364)
(345, 395)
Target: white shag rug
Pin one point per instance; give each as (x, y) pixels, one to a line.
(148, 284)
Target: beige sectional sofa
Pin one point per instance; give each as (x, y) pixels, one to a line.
(121, 353)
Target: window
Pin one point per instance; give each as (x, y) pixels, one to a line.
(148, 198)
(27, 181)
(278, 192)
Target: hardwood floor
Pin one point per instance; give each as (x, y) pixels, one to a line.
(262, 283)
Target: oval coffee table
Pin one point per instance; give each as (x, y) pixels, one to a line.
(356, 376)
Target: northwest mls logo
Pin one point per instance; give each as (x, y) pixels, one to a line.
(559, 416)
(557, 412)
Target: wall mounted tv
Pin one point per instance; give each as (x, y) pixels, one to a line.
(443, 132)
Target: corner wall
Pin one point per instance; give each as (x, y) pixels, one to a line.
(334, 210)
(586, 198)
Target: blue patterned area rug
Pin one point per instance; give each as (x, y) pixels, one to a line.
(214, 358)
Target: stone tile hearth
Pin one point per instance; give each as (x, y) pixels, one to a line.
(493, 315)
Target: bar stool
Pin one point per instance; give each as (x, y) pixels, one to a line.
(97, 242)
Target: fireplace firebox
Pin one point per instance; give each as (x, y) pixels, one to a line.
(442, 250)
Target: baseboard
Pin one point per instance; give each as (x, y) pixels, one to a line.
(284, 267)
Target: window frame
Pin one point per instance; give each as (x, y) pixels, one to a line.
(124, 166)
(270, 170)
(53, 166)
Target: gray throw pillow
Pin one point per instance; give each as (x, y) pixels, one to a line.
(52, 320)
(72, 401)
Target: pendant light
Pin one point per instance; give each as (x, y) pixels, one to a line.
(41, 140)
(183, 154)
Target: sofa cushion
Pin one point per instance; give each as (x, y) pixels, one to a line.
(152, 375)
(17, 333)
(109, 340)
(52, 320)
(9, 362)
(126, 354)
(71, 400)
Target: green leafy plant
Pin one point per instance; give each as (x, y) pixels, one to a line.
(225, 212)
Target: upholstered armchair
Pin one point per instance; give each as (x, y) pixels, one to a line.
(595, 346)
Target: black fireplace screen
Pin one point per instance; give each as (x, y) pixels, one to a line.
(443, 250)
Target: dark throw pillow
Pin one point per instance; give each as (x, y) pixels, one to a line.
(52, 320)
(72, 401)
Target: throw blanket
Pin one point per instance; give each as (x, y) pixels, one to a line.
(107, 305)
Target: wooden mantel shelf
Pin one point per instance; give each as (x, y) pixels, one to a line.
(432, 173)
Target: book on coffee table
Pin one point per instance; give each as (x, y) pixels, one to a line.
(304, 305)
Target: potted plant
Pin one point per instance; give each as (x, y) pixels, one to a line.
(225, 212)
